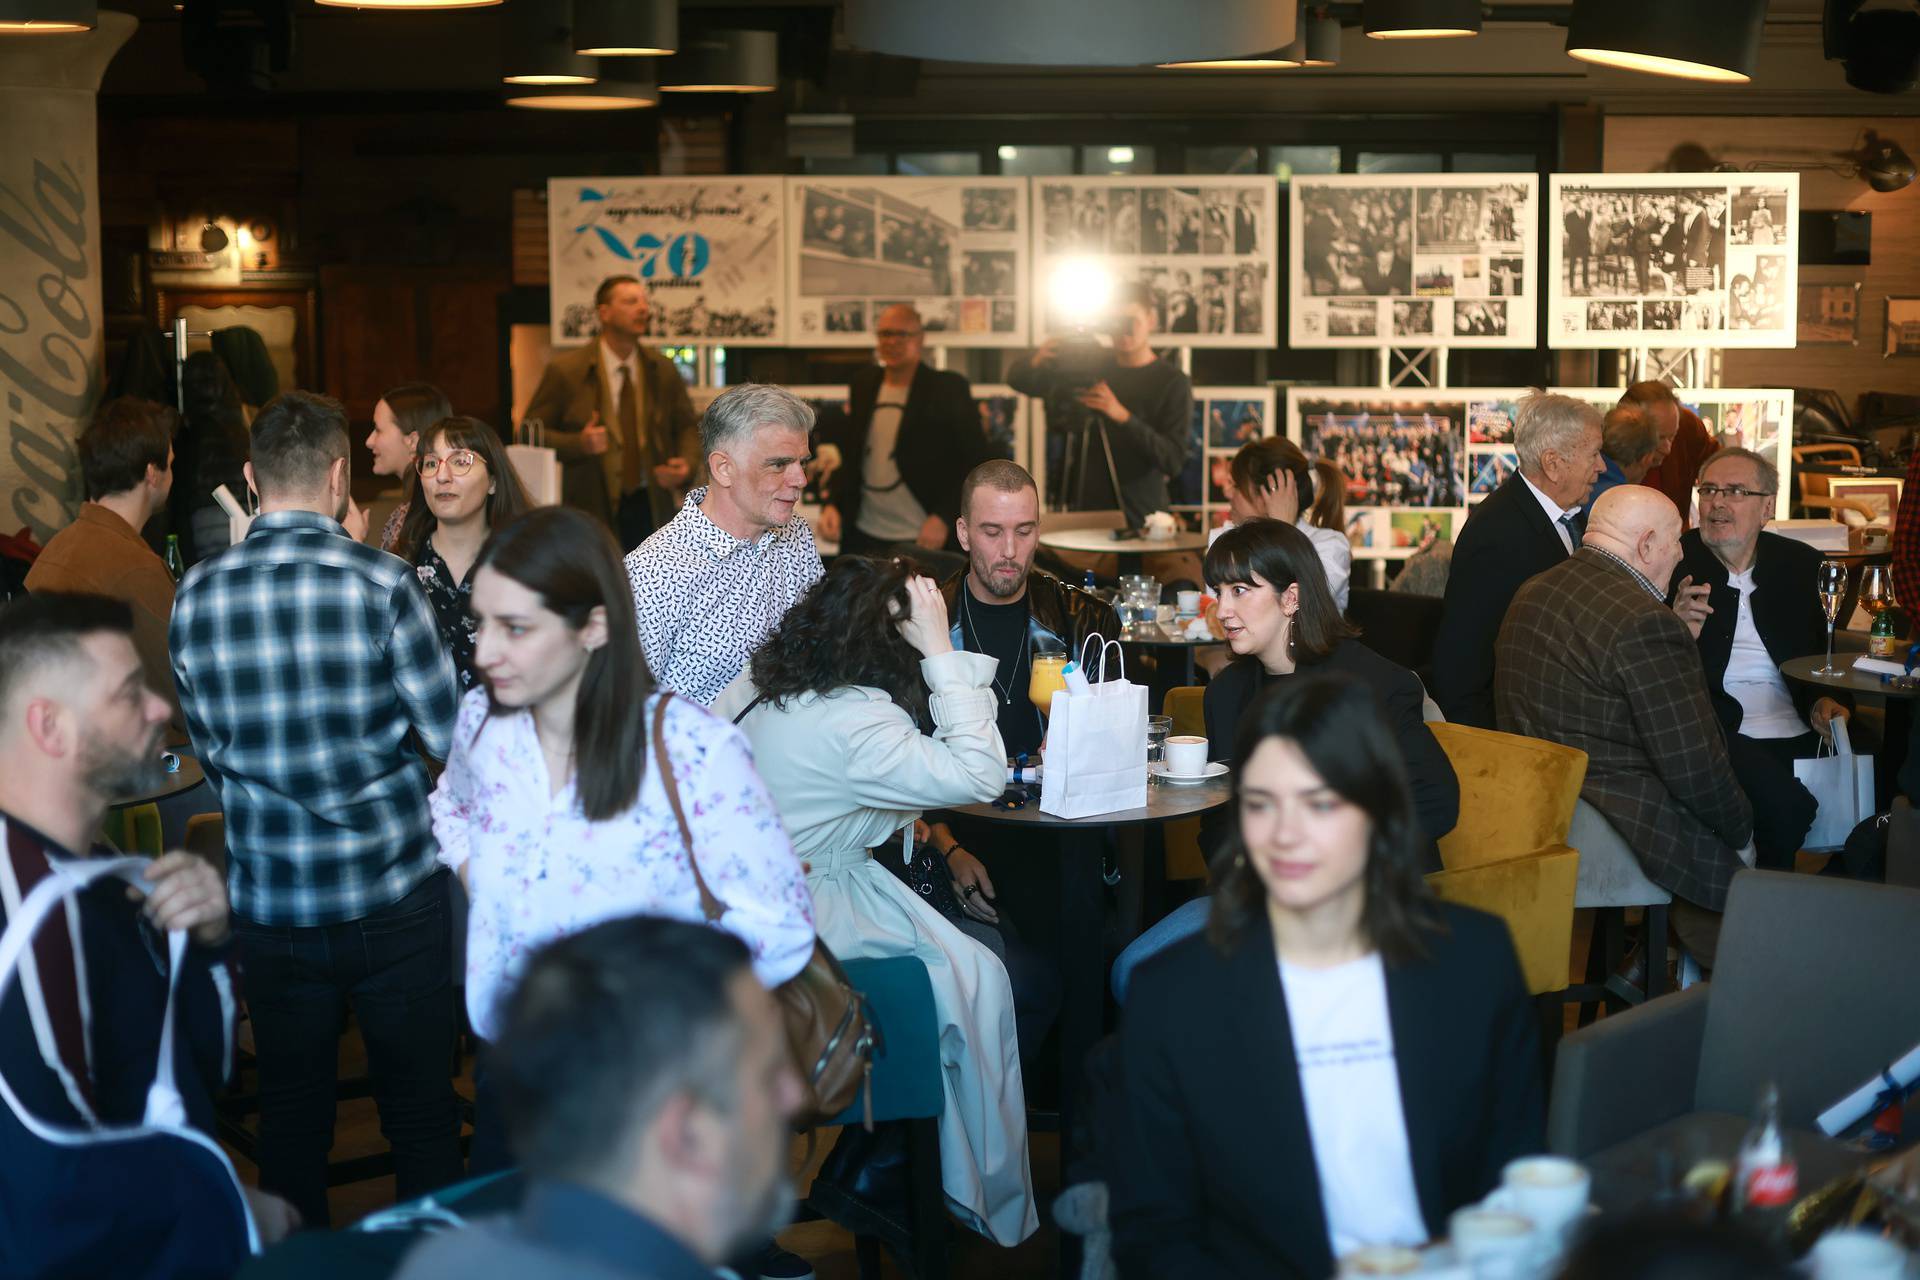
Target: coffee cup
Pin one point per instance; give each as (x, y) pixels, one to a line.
(1379, 1260)
(1161, 525)
(1186, 603)
(1186, 755)
(1492, 1242)
(1551, 1190)
(1857, 1255)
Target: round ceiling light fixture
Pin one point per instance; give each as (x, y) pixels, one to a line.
(1719, 42)
(604, 94)
(536, 45)
(1420, 19)
(408, 4)
(1274, 61)
(1111, 33)
(47, 17)
(1317, 40)
(725, 62)
(626, 28)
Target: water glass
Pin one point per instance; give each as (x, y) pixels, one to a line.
(1158, 727)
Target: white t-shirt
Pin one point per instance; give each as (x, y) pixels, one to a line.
(1752, 679)
(1343, 1047)
(1336, 556)
(888, 509)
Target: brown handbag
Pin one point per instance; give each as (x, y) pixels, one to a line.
(829, 1027)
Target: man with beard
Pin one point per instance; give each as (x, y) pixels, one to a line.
(648, 1087)
(315, 687)
(80, 728)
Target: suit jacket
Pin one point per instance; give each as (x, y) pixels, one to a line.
(1436, 789)
(940, 440)
(575, 388)
(1507, 539)
(1579, 234)
(1699, 232)
(1786, 613)
(1589, 658)
(1213, 1172)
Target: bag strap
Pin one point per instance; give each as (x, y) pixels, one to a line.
(758, 698)
(710, 906)
(1101, 653)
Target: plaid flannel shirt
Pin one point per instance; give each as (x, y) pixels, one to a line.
(305, 660)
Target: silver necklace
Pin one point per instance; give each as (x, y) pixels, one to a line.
(1020, 649)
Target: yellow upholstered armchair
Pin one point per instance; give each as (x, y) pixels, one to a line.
(1187, 706)
(1509, 853)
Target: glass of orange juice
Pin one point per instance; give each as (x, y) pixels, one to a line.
(1048, 678)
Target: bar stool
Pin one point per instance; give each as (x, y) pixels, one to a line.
(1611, 880)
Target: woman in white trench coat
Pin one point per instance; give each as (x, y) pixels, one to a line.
(830, 703)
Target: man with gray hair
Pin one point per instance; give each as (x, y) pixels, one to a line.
(1761, 609)
(1526, 526)
(1629, 446)
(712, 583)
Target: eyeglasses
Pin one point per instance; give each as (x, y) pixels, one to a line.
(459, 462)
(896, 335)
(1735, 491)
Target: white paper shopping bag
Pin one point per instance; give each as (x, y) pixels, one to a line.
(1842, 784)
(1096, 758)
(539, 472)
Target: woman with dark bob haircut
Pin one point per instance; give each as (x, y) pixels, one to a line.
(833, 702)
(1340, 1060)
(1281, 623)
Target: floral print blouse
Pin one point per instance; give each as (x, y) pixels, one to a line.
(459, 629)
(537, 869)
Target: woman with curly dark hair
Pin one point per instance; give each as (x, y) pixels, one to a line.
(833, 703)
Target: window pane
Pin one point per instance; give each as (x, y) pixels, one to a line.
(1228, 159)
(1494, 162)
(1399, 162)
(1035, 162)
(865, 162)
(940, 164)
(1288, 161)
(1118, 158)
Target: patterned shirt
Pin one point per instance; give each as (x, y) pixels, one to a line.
(706, 600)
(1646, 583)
(459, 629)
(305, 660)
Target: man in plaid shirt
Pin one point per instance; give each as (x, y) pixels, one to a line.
(314, 681)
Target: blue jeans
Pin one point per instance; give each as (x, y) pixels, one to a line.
(1183, 921)
(394, 967)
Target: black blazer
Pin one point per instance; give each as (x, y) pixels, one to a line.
(1786, 613)
(1436, 790)
(940, 441)
(1507, 539)
(1213, 1172)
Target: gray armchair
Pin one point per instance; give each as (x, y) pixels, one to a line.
(1814, 990)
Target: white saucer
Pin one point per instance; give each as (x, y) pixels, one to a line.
(1216, 769)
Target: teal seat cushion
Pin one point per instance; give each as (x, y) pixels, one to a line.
(906, 1062)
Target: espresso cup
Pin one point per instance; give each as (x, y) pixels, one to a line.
(1551, 1190)
(1379, 1260)
(1186, 755)
(1187, 602)
(1494, 1243)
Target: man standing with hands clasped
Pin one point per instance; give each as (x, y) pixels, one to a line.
(619, 417)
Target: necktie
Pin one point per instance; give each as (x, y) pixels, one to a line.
(629, 411)
(1573, 530)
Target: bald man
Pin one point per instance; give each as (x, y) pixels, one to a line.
(912, 438)
(1591, 656)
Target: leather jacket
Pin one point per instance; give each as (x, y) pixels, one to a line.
(1059, 616)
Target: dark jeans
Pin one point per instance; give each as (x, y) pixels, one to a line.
(395, 967)
(635, 519)
(490, 1151)
(1783, 808)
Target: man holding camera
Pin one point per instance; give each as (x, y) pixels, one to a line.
(1125, 413)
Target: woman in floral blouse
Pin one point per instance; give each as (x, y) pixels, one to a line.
(551, 808)
(467, 489)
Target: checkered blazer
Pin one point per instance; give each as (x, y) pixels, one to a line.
(1589, 658)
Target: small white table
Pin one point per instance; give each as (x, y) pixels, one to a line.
(1102, 542)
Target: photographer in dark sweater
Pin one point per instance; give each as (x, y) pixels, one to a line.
(1125, 413)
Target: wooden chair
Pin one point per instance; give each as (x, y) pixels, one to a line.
(1185, 860)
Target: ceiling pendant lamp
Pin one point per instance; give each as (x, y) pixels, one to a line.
(604, 94)
(536, 45)
(408, 4)
(626, 28)
(1420, 19)
(1316, 42)
(1110, 33)
(1718, 42)
(46, 17)
(1278, 59)
(725, 62)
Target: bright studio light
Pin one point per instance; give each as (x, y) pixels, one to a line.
(1080, 289)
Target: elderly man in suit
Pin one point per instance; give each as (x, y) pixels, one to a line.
(1591, 656)
(619, 417)
(1528, 525)
(1761, 609)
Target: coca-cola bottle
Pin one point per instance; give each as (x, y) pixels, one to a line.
(1766, 1180)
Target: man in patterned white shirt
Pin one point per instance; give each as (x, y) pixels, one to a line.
(712, 583)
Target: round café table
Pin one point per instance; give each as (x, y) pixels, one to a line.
(1131, 551)
(185, 778)
(1153, 636)
(1866, 685)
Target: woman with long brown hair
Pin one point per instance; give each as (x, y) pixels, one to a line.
(400, 418)
(553, 808)
(467, 489)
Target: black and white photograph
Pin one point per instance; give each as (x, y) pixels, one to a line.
(1413, 318)
(1353, 319)
(1216, 230)
(1393, 454)
(933, 243)
(1829, 315)
(1123, 221)
(1695, 243)
(1153, 220)
(1216, 315)
(1444, 237)
(1477, 318)
(1056, 219)
(1183, 220)
(1249, 296)
(1248, 213)
(1004, 314)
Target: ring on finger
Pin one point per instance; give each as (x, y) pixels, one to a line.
(970, 890)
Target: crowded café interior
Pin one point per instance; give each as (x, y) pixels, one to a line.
(1013, 517)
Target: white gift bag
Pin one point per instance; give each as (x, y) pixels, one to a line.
(537, 466)
(1096, 757)
(1842, 783)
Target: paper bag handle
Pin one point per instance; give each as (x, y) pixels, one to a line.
(1837, 742)
(1105, 644)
